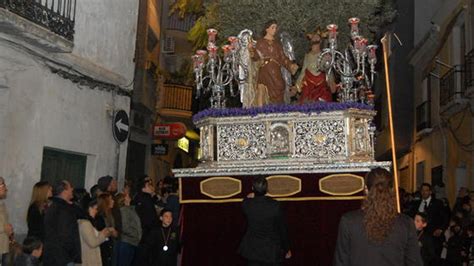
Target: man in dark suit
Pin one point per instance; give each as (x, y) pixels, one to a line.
(377, 235)
(145, 208)
(62, 244)
(435, 213)
(266, 239)
(433, 208)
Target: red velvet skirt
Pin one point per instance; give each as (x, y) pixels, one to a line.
(315, 88)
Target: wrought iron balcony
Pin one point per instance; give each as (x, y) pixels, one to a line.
(452, 85)
(56, 15)
(423, 116)
(175, 22)
(176, 100)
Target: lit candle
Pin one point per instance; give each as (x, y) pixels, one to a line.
(227, 49)
(332, 34)
(234, 41)
(357, 43)
(360, 44)
(212, 49)
(198, 58)
(372, 57)
(211, 35)
(354, 22)
(195, 61)
(201, 52)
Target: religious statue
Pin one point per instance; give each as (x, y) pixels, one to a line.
(269, 57)
(311, 82)
(247, 71)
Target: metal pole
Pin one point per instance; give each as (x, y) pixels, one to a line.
(384, 41)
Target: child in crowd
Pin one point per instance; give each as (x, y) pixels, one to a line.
(454, 243)
(167, 240)
(425, 241)
(164, 241)
(32, 251)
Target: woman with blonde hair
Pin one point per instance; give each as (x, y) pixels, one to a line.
(105, 219)
(40, 195)
(377, 234)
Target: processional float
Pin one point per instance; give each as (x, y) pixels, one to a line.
(313, 155)
(277, 139)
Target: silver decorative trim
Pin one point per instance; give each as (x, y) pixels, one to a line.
(259, 168)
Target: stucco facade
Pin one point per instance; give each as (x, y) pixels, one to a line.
(64, 99)
(444, 129)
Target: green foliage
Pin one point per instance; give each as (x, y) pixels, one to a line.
(198, 35)
(184, 7)
(297, 17)
(182, 76)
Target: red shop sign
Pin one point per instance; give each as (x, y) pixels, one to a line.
(169, 131)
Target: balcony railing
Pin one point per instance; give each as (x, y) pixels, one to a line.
(175, 22)
(423, 116)
(177, 97)
(451, 85)
(56, 15)
(469, 69)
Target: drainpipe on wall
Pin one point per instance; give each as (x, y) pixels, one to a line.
(441, 126)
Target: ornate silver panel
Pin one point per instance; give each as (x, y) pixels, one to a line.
(280, 139)
(324, 140)
(207, 143)
(241, 141)
(343, 136)
(360, 139)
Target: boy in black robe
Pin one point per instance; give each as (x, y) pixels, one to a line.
(166, 241)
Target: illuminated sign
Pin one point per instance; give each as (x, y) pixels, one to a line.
(169, 131)
(159, 149)
(183, 143)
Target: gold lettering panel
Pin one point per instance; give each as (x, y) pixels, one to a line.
(283, 185)
(341, 184)
(221, 187)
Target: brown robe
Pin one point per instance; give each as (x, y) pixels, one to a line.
(269, 79)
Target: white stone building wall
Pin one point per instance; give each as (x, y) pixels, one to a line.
(39, 108)
(106, 34)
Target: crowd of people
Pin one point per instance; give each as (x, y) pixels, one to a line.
(445, 234)
(68, 226)
(428, 232)
(139, 226)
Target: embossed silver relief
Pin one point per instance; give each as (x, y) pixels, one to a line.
(320, 139)
(207, 143)
(360, 139)
(241, 141)
(279, 140)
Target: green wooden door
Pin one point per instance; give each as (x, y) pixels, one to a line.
(60, 165)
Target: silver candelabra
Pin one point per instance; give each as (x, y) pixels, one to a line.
(351, 65)
(220, 71)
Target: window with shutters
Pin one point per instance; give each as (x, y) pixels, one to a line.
(63, 165)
